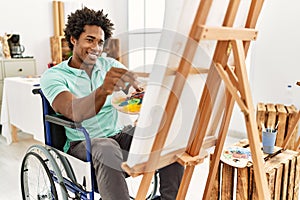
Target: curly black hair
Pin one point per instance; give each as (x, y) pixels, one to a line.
(86, 16)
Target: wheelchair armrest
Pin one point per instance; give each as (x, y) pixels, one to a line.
(62, 120)
(36, 91)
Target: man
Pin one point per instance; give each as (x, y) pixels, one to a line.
(80, 88)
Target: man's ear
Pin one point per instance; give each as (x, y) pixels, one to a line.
(73, 40)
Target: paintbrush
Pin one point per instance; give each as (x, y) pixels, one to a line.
(263, 127)
(276, 126)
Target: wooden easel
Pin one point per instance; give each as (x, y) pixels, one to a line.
(237, 90)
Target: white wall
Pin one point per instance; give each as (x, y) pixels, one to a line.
(33, 20)
(276, 56)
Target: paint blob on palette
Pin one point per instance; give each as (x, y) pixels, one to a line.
(130, 104)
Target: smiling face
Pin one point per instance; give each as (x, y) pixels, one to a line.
(88, 47)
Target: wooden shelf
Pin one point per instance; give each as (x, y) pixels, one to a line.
(60, 50)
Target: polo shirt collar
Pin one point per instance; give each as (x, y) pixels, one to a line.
(80, 72)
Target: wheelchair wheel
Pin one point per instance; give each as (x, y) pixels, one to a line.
(66, 170)
(63, 164)
(55, 167)
(36, 179)
(133, 184)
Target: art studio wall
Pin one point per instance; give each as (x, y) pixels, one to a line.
(33, 20)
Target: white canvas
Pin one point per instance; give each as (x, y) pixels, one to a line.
(169, 54)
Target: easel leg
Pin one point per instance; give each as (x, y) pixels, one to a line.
(185, 182)
(244, 89)
(14, 133)
(219, 147)
(143, 189)
(297, 146)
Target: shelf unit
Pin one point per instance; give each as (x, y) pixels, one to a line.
(15, 67)
(59, 49)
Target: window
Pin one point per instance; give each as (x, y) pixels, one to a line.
(145, 23)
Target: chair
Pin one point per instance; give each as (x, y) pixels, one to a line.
(47, 172)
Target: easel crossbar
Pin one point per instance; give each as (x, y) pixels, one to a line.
(225, 33)
(232, 89)
(144, 167)
(173, 71)
(180, 156)
(187, 160)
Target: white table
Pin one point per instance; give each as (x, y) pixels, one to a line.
(21, 109)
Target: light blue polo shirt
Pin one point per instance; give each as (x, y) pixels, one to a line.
(62, 77)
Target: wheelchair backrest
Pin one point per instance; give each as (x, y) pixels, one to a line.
(54, 134)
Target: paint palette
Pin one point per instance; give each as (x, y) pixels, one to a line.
(236, 156)
(130, 103)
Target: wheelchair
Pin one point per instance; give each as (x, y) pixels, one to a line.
(49, 173)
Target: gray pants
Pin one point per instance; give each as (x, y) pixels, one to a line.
(107, 156)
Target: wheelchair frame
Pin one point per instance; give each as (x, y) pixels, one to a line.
(55, 165)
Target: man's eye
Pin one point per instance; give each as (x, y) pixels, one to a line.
(89, 40)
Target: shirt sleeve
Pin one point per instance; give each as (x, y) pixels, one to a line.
(52, 84)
